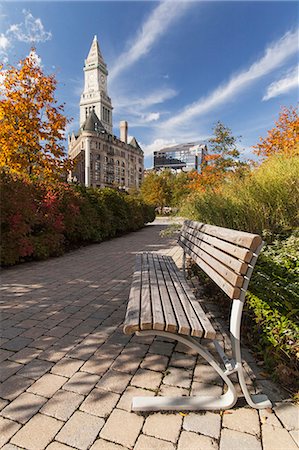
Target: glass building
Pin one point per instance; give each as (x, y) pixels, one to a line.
(186, 157)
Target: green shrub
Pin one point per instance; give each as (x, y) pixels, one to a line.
(272, 308)
(39, 220)
(266, 200)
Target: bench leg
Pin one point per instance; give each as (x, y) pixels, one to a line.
(258, 401)
(224, 401)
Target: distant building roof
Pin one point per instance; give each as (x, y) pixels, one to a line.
(180, 147)
(134, 143)
(93, 123)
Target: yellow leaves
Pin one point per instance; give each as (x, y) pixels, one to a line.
(32, 125)
(283, 138)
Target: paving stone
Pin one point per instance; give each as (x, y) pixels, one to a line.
(28, 323)
(35, 369)
(277, 439)
(96, 365)
(163, 426)
(231, 440)
(43, 342)
(52, 354)
(206, 389)
(25, 355)
(3, 403)
(204, 373)
(125, 401)
(161, 348)
(172, 391)
(9, 368)
(23, 407)
(11, 332)
(47, 385)
(178, 377)
(81, 382)
(33, 333)
(10, 447)
(99, 403)
(114, 381)
(193, 441)
(57, 331)
(147, 442)
(81, 430)
(67, 367)
(37, 433)
(268, 417)
(8, 429)
(101, 444)
(155, 362)
(242, 419)
(62, 405)
(147, 379)
(182, 360)
(14, 386)
(122, 427)
(127, 363)
(5, 354)
(288, 413)
(58, 446)
(295, 436)
(184, 349)
(17, 343)
(207, 423)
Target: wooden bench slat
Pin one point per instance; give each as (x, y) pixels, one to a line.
(145, 301)
(132, 316)
(233, 250)
(170, 320)
(221, 269)
(236, 264)
(201, 325)
(182, 321)
(231, 291)
(242, 238)
(157, 309)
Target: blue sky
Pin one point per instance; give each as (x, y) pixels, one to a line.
(175, 68)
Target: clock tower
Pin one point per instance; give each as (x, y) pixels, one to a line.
(95, 97)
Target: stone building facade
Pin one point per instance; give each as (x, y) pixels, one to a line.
(100, 158)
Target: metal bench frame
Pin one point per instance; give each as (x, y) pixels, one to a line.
(231, 365)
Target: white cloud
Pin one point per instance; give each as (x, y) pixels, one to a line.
(152, 117)
(289, 82)
(4, 42)
(161, 18)
(139, 110)
(275, 55)
(30, 31)
(156, 145)
(154, 98)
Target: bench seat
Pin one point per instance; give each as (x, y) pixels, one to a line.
(160, 299)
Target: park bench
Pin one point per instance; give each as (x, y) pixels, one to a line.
(162, 303)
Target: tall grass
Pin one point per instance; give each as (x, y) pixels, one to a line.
(266, 200)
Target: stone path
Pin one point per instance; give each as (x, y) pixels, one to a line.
(68, 372)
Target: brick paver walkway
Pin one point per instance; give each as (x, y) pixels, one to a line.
(68, 372)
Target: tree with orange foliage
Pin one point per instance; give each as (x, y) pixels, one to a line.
(31, 123)
(283, 138)
(222, 160)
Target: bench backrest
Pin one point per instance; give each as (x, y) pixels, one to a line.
(226, 256)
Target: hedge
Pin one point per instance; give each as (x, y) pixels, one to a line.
(39, 220)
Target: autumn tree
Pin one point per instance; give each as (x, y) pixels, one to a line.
(32, 124)
(156, 189)
(223, 158)
(283, 138)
